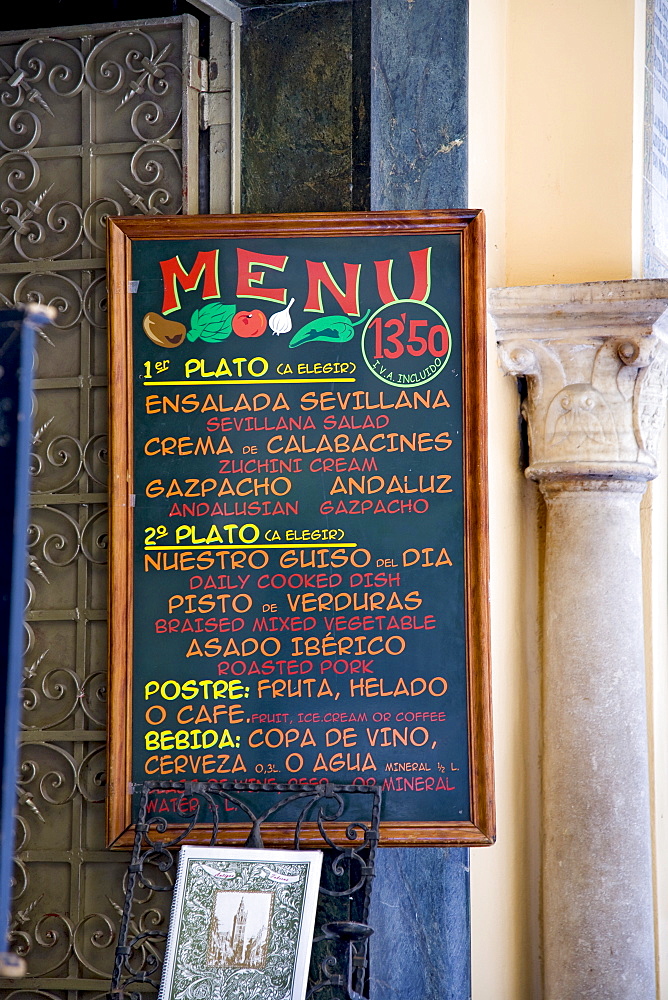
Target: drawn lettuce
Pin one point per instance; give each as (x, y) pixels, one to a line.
(212, 322)
(335, 329)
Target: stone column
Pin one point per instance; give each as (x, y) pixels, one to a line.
(595, 359)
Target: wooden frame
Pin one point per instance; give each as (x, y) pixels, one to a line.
(446, 270)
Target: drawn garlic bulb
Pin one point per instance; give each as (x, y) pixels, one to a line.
(281, 322)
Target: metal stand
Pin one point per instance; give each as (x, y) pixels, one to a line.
(339, 962)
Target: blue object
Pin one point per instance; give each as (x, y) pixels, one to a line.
(16, 347)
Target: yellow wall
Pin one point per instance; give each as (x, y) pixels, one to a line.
(556, 115)
(569, 131)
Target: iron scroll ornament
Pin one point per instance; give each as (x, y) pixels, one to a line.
(340, 957)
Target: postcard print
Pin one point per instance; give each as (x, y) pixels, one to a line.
(241, 925)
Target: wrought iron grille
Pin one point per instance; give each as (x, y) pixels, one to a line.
(339, 960)
(92, 123)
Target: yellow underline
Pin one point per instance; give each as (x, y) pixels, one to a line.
(290, 545)
(253, 381)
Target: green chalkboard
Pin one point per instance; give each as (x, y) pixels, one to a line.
(299, 539)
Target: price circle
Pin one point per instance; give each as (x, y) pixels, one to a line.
(406, 343)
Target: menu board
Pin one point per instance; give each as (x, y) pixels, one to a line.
(298, 512)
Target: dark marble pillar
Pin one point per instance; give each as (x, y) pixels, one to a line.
(304, 106)
(419, 66)
(420, 949)
(351, 104)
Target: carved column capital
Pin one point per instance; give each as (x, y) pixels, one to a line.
(595, 357)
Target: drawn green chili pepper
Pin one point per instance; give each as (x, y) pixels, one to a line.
(335, 329)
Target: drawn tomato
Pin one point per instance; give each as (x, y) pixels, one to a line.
(249, 324)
